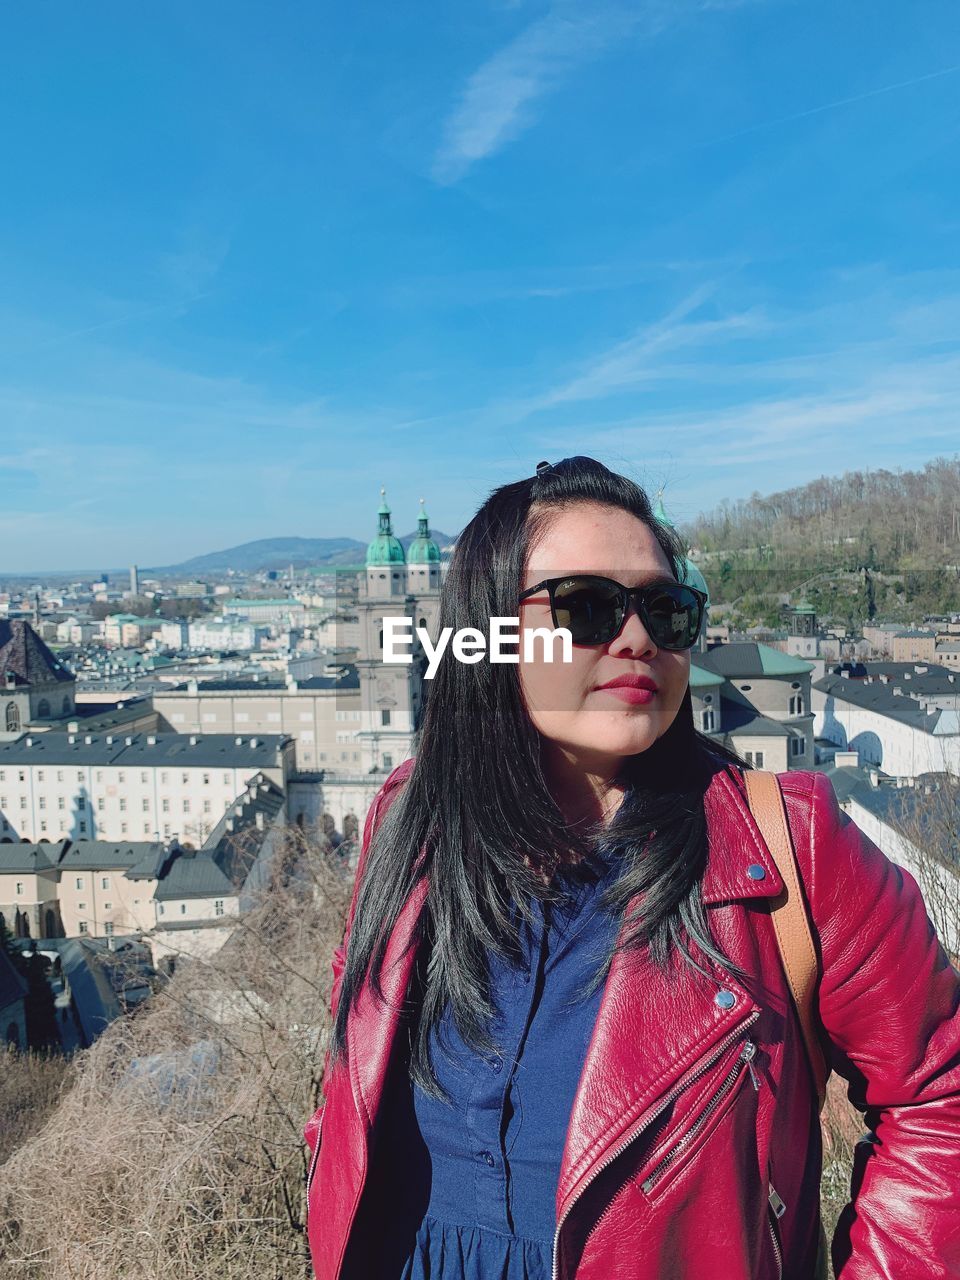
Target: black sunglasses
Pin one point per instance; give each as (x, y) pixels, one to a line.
(594, 609)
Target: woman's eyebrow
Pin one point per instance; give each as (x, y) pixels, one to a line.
(657, 579)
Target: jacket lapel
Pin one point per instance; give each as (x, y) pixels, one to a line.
(649, 1033)
(372, 1029)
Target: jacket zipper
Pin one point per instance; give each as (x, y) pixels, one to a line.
(778, 1209)
(636, 1132)
(316, 1156)
(747, 1054)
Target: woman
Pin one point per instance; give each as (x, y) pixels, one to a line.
(564, 1045)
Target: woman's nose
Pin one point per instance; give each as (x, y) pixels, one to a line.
(633, 636)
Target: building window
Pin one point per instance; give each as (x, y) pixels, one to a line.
(226, 779)
(707, 720)
(163, 777)
(160, 908)
(83, 828)
(104, 882)
(206, 806)
(385, 716)
(81, 906)
(218, 907)
(388, 761)
(184, 778)
(108, 906)
(796, 705)
(121, 776)
(755, 758)
(79, 884)
(166, 830)
(123, 828)
(83, 926)
(59, 775)
(186, 806)
(61, 802)
(796, 746)
(183, 908)
(146, 805)
(206, 779)
(108, 927)
(40, 777)
(746, 687)
(81, 802)
(165, 806)
(101, 804)
(42, 802)
(43, 826)
(123, 805)
(13, 718)
(19, 886)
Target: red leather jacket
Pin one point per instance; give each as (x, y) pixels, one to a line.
(695, 1101)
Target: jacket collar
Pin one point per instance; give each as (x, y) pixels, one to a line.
(735, 844)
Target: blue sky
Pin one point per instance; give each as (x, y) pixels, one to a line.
(257, 260)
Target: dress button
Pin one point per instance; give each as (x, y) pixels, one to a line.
(487, 1158)
(725, 999)
(756, 872)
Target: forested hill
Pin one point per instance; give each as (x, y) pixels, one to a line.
(875, 519)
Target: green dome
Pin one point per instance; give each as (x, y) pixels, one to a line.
(691, 575)
(385, 548)
(423, 549)
(694, 578)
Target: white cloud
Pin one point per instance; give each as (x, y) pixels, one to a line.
(499, 100)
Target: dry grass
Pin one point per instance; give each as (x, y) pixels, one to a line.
(178, 1152)
(30, 1089)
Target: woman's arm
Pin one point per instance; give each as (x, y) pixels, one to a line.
(889, 1001)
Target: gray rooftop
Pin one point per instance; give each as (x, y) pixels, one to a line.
(885, 700)
(221, 867)
(738, 721)
(186, 751)
(138, 859)
(21, 858)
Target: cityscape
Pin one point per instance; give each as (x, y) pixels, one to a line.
(161, 736)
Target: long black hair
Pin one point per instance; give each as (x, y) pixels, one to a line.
(478, 804)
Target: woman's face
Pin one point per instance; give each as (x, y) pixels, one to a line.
(565, 701)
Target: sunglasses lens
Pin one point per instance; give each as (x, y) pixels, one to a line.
(673, 616)
(590, 608)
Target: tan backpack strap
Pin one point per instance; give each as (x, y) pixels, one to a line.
(788, 912)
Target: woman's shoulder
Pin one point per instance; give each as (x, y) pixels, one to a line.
(387, 792)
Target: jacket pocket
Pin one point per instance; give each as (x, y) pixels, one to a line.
(704, 1119)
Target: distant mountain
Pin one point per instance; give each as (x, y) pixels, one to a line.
(280, 553)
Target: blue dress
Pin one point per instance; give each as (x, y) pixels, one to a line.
(473, 1192)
